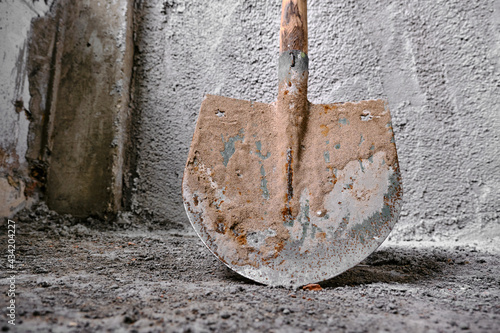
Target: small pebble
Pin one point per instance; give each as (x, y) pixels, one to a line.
(464, 326)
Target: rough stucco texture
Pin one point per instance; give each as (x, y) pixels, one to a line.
(436, 62)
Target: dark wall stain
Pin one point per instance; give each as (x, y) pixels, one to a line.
(78, 78)
(41, 65)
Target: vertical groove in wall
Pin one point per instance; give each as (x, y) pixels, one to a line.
(123, 119)
(130, 159)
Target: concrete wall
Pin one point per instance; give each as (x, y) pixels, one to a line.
(87, 113)
(436, 62)
(16, 187)
(65, 112)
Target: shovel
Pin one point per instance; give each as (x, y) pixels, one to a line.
(292, 193)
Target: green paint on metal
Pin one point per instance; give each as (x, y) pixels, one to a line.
(361, 140)
(342, 225)
(314, 229)
(337, 146)
(371, 226)
(370, 159)
(327, 142)
(305, 220)
(394, 185)
(372, 147)
(343, 121)
(258, 145)
(326, 155)
(361, 166)
(263, 183)
(229, 147)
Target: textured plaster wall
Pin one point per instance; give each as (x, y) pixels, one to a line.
(436, 62)
(15, 21)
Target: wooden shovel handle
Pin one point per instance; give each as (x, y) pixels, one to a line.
(293, 29)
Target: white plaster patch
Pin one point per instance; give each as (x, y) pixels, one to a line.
(358, 193)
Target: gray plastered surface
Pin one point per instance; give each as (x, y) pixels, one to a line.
(436, 63)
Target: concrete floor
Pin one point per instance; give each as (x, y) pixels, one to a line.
(83, 277)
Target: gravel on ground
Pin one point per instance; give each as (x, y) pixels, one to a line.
(132, 276)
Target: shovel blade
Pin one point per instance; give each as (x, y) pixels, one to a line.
(346, 188)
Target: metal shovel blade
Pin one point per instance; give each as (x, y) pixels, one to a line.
(289, 218)
(292, 193)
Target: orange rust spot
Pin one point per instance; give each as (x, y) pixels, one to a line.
(30, 188)
(324, 130)
(312, 287)
(321, 235)
(287, 214)
(278, 249)
(285, 92)
(241, 239)
(219, 225)
(328, 108)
